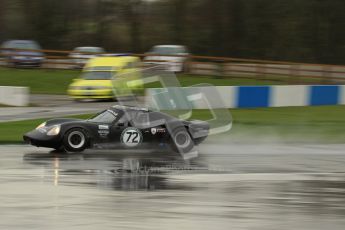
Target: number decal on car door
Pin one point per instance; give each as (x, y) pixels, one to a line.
(131, 137)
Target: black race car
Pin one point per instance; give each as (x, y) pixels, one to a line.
(119, 126)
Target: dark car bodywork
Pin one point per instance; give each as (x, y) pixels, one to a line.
(22, 53)
(152, 128)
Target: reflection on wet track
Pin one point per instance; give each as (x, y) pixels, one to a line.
(227, 187)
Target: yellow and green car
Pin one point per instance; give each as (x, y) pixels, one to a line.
(107, 78)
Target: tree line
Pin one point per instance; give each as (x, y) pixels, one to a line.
(294, 30)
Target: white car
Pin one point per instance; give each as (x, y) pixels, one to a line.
(174, 64)
(81, 55)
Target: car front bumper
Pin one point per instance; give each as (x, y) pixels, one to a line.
(91, 94)
(168, 66)
(39, 139)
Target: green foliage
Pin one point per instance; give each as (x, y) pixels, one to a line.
(294, 30)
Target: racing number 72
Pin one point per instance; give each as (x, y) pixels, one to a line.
(132, 137)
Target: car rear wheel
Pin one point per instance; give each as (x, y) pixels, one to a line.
(181, 141)
(75, 140)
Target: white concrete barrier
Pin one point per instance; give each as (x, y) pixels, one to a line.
(14, 96)
(245, 96)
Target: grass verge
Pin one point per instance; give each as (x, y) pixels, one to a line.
(40, 81)
(43, 81)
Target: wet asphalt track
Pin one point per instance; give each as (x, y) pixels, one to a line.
(226, 187)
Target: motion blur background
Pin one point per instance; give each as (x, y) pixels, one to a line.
(297, 30)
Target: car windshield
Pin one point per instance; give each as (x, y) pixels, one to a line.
(107, 117)
(98, 75)
(166, 50)
(24, 45)
(89, 50)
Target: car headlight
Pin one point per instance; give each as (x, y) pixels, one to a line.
(41, 125)
(55, 130)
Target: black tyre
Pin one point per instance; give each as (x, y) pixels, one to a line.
(181, 141)
(75, 140)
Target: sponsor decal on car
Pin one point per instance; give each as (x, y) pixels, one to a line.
(157, 130)
(103, 131)
(112, 112)
(102, 127)
(153, 131)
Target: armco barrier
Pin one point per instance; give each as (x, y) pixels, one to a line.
(246, 96)
(14, 96)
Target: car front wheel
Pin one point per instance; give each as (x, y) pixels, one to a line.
(75, 140)
(181, 141)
